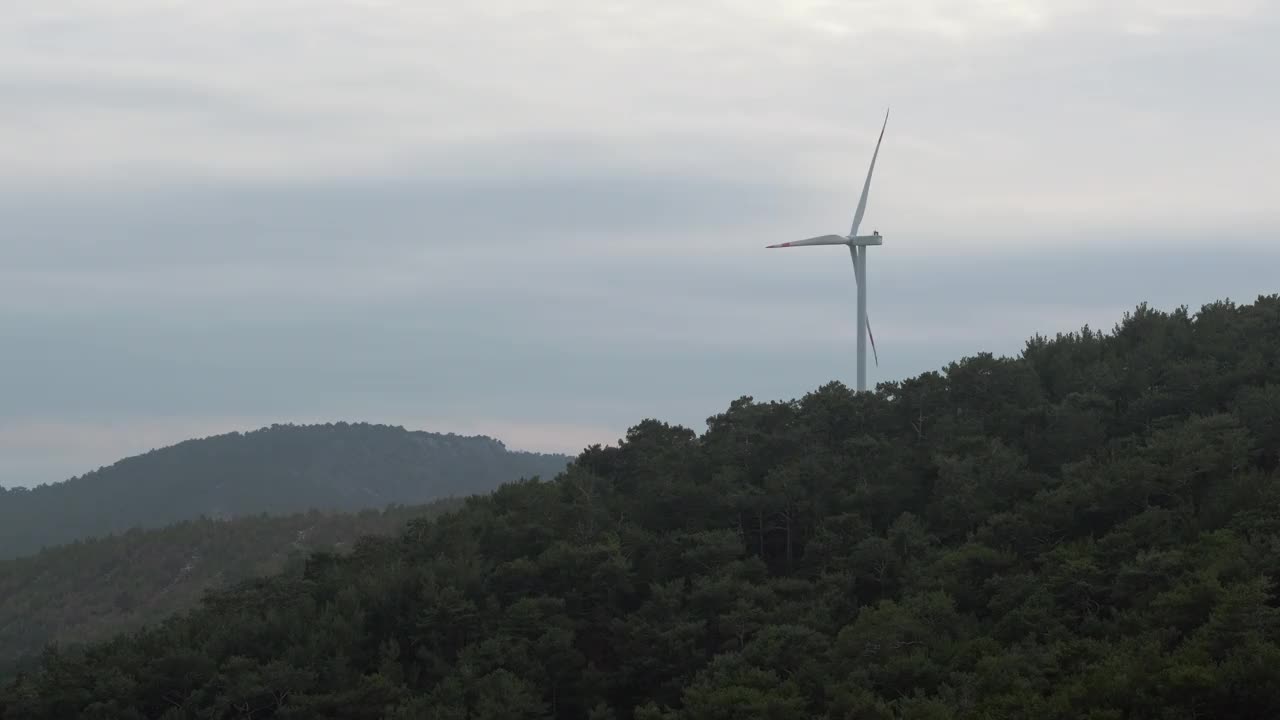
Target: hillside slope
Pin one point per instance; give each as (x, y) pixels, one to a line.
(277, 470)
(1089, 530)
(91, 590)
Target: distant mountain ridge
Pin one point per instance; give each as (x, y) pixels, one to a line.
(276, 470)
(90, 590)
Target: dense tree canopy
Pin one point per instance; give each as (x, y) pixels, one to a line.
(1089, 530)
(278, 470)
(93, 589)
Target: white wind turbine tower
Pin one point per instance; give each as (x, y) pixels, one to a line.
(858, 249)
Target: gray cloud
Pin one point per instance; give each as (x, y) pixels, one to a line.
(373, 216)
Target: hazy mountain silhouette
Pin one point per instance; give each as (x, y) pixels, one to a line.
(276, 470)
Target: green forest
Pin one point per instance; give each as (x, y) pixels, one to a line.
(280, 469)
(1088, 530)
(93, 589)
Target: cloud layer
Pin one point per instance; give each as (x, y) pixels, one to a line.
(545, 220)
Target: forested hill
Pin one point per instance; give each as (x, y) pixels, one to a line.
(1091, 529)
(280, 469)
(93, 589)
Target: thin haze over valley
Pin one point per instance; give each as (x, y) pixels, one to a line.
(542, 221)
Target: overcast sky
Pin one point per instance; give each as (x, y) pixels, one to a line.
(545, 220)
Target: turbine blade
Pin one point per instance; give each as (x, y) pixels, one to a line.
(866, 187)
(820, 240)
(871, 335)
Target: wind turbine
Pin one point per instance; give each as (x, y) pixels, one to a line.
(857, 245)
